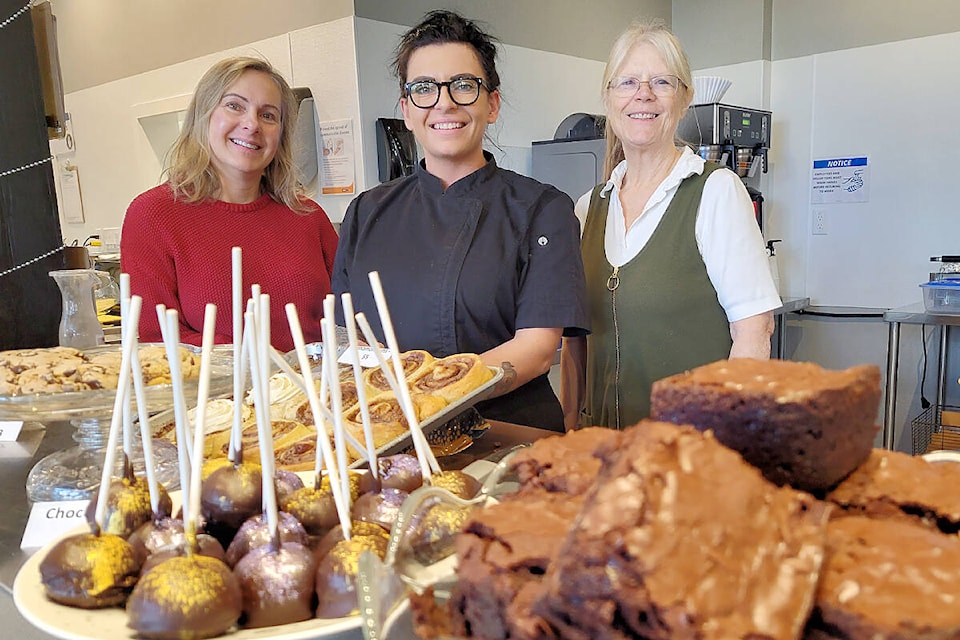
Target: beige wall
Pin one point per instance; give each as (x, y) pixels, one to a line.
(105, 40)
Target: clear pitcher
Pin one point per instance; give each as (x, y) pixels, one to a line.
(79, 326)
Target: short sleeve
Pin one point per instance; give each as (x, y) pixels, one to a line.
(552, 289)
(732, 248)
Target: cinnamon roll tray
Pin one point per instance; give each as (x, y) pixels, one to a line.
(446, 417)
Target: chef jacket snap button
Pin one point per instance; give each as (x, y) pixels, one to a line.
(542, 241)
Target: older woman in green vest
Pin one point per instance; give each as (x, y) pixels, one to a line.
(677, 273)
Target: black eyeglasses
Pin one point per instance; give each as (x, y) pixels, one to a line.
(426, 93)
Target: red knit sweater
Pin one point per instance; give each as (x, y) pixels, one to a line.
(179, 255)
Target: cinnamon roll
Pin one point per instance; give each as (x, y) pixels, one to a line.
(453, 377)
(386, 417)
(415, 364)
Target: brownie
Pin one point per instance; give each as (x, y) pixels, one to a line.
(799, 423)
(680, 538)
(565, 464)
(893, 485)
(887, 579)
(502, 555)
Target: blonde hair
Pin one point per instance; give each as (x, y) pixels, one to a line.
(656, 34)
(189, 170)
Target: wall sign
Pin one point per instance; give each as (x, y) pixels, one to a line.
(837, 180)
(336, 157)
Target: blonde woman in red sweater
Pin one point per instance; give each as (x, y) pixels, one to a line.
(230, 182)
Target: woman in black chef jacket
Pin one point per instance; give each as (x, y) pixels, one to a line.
(472, 257)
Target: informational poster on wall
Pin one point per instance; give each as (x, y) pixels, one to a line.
(337, 157)
(839, 180)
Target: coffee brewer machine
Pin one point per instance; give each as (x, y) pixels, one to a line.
(733, 136)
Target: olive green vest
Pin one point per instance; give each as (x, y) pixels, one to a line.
(655, 316)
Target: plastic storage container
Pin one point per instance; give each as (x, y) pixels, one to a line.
(942, 297)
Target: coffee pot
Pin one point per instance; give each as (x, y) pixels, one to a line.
(79, 326)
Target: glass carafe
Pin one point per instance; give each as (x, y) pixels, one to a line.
(79, 326)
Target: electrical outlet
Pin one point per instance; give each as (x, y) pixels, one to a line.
(819, 226)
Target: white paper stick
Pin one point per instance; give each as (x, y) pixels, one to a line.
(171, 340)
(277, 358)
(127, 414)
(237, 427)
(388, 373)
(146, 433)
(328, 330)
(123, 387)
(193, 524)
(261, 405)
(236, 260)
(405, 400)
(323, 437)
(346, 301)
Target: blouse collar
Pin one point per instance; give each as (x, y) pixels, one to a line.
(688, 164)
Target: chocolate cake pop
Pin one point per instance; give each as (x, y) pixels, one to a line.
(229, 496)
(336, 581)
(128, 503)
(357, 528)
(157, 536)
(380, 508)
(314, 508)
(255, 532)
(277, 584)
(286, 482)
(400, 471)
(460, 484)
(185, 597)
(207, 545)
(89, 571)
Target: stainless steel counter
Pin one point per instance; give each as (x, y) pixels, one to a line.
(910, 314)
(41, 441)
(790, 305)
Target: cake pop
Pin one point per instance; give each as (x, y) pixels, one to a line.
(89, 571)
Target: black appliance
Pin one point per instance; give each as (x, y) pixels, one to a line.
(396, 149)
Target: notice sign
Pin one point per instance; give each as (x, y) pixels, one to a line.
(336, 157)
(839, 180)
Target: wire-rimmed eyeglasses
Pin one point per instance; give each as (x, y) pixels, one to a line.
(627, 86)
(426, 93)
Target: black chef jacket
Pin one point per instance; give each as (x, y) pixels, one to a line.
(463, 269)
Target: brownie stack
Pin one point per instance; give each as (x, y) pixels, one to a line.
(680, 538)
(800, 424)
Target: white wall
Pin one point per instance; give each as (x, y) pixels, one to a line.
(893, 103)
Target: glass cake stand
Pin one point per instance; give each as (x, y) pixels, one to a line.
(74, 473)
